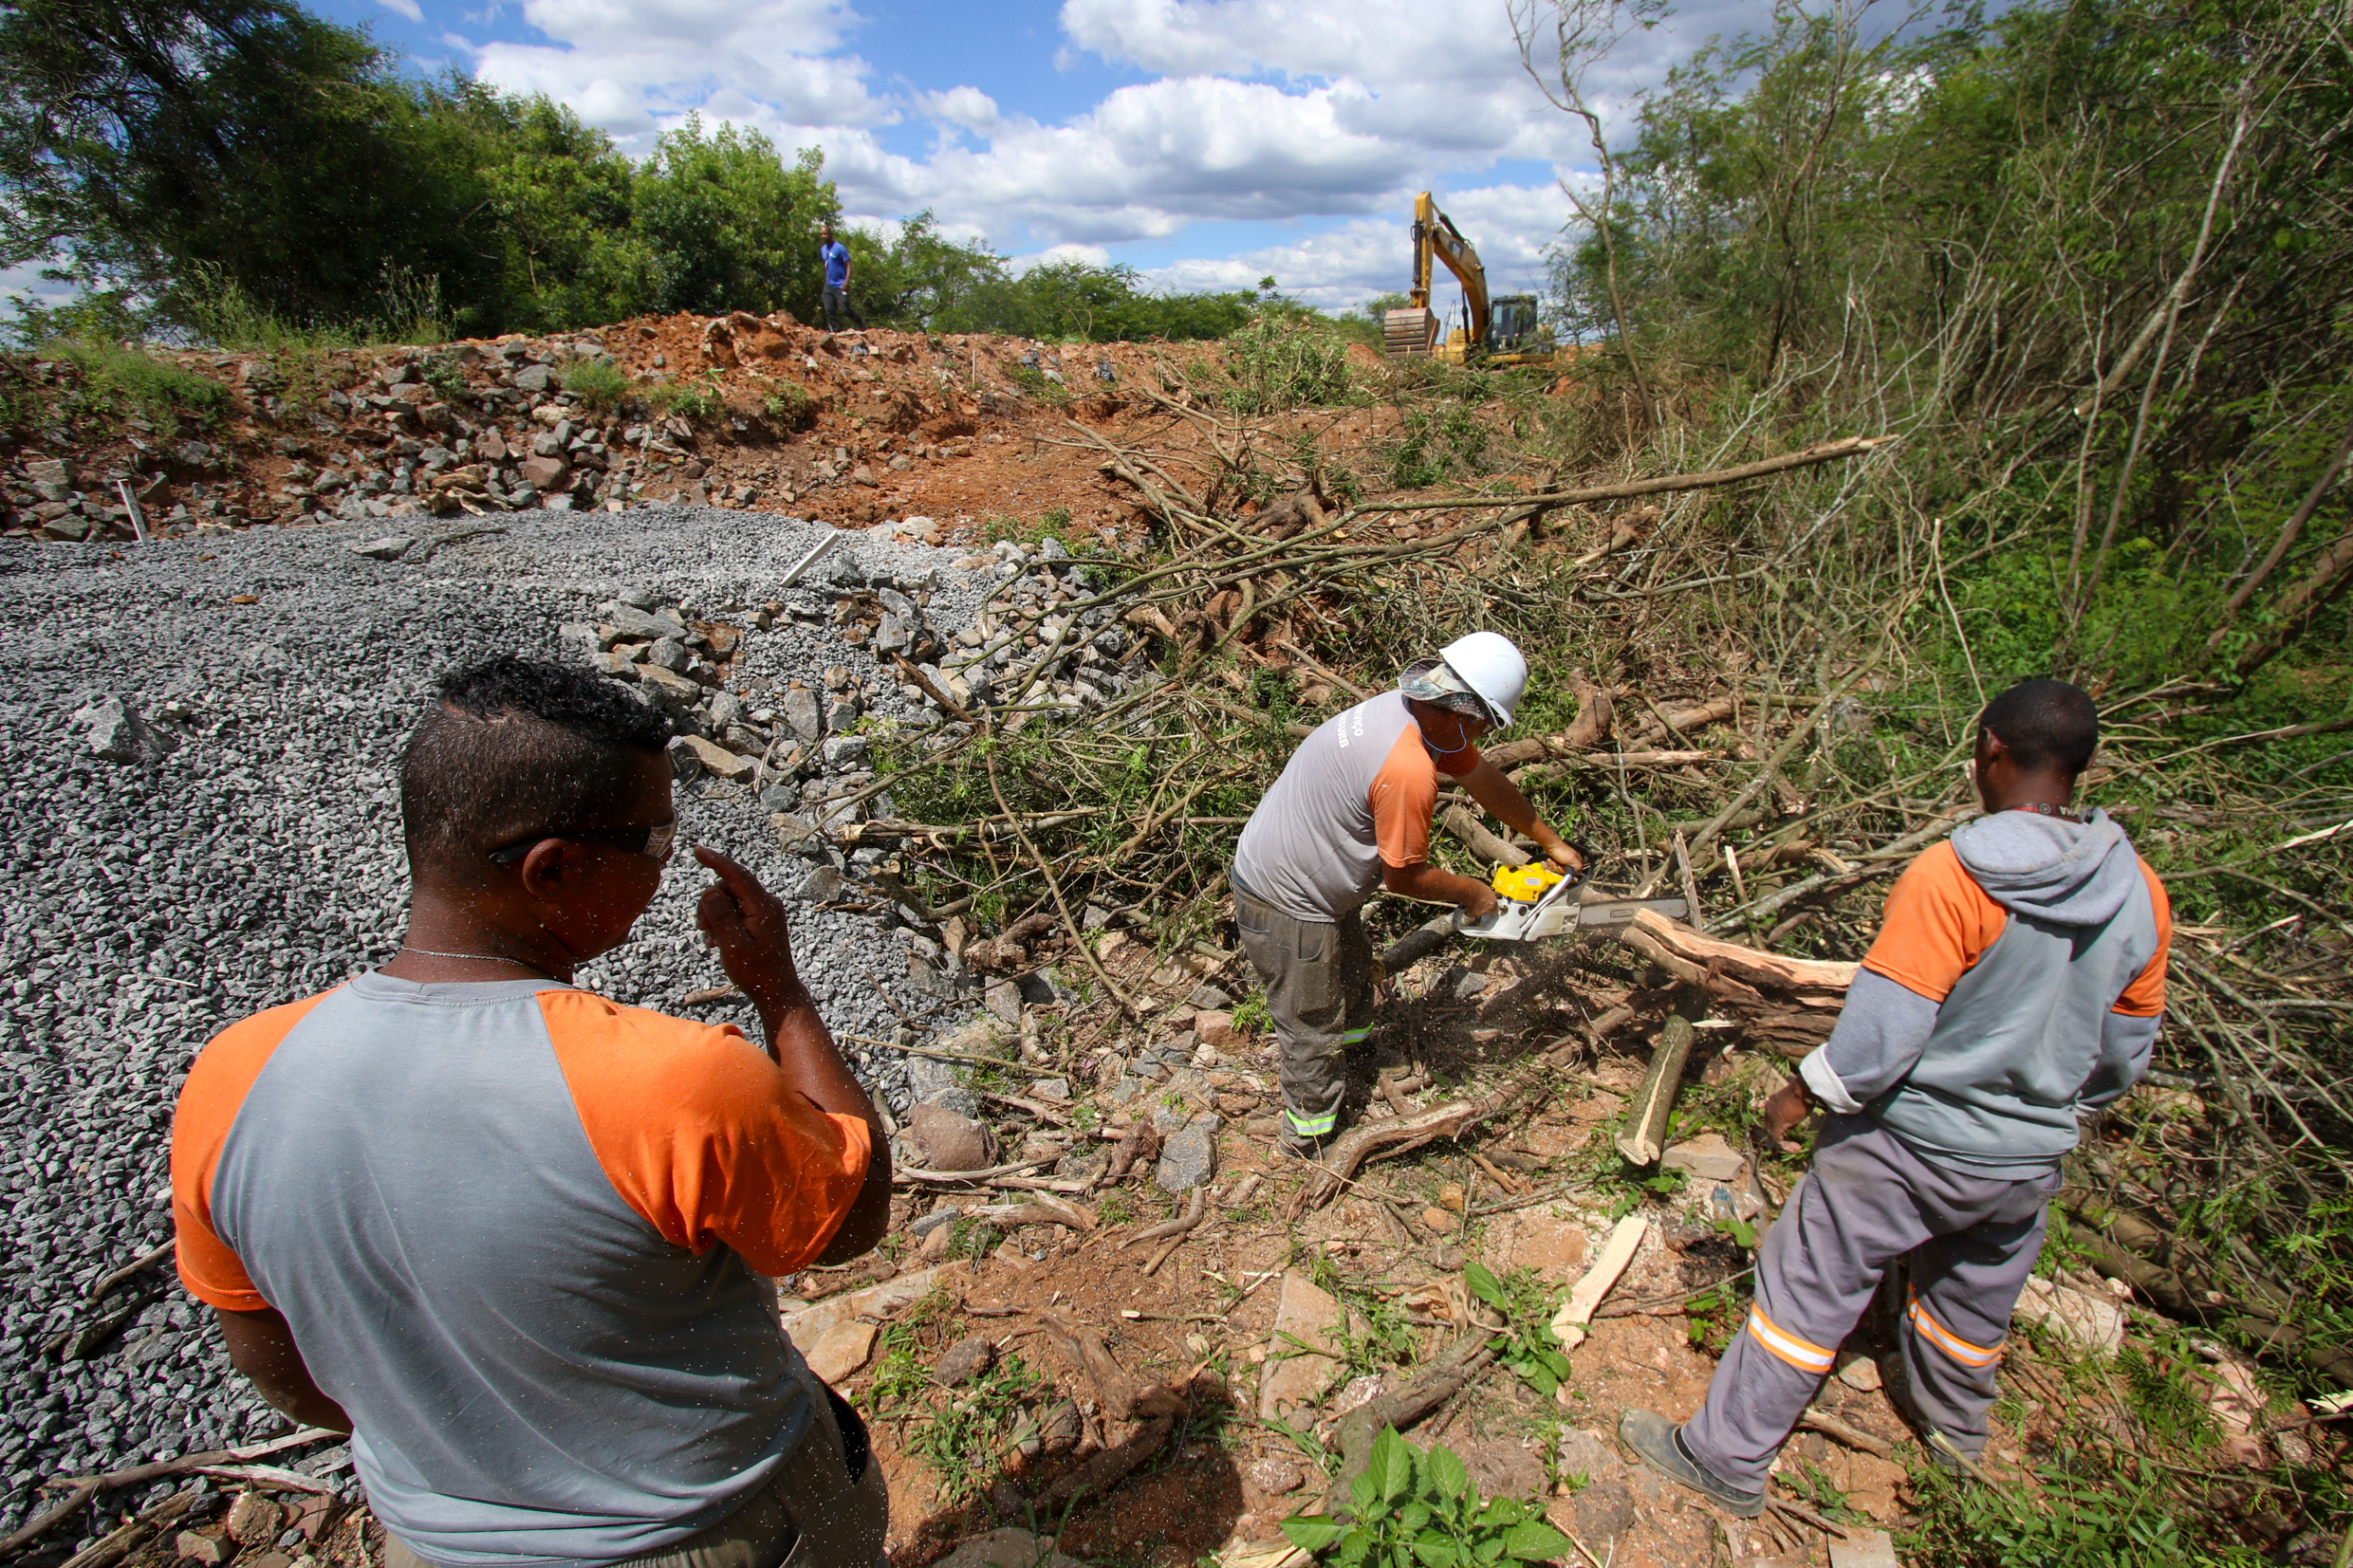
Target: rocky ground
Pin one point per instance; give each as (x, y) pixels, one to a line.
(203, 736)
(730, 411)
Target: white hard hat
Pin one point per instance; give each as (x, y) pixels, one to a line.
(1490, 666)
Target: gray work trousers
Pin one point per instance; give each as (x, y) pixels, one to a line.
(1319, 976)
(1866, 1201)
(827, 1507)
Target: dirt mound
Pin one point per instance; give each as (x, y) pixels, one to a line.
(740, 411)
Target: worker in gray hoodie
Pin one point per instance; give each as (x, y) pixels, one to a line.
(2014, 988)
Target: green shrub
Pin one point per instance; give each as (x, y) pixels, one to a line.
(118, 381)
(1274, 364)
(690, 403)
(599, 384)
(791, 406)
(1409, 1508)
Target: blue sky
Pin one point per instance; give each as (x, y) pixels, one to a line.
(1207, 142)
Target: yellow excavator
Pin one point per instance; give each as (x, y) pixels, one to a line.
(1506, 331)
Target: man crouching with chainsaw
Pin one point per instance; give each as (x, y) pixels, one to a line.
(1351, 815)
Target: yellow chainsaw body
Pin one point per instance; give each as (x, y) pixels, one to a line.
(1524, 884)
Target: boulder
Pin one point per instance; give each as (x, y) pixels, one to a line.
(2091, 1323)
(1189, 1158)
(546, 473)
(533, 378)
(1708, 1157)
(968, 1358)
(119, 735)
(948, 1141)
(1007, 1548)
(718, 759)
(841, 1350)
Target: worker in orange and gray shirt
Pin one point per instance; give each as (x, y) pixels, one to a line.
(2014, 988)
(1349, 815)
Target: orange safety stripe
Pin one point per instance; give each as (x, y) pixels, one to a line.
(1801, 1353)
(1946, 1340)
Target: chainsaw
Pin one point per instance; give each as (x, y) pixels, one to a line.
(1534, 901)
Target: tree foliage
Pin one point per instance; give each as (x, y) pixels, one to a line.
(245, 161)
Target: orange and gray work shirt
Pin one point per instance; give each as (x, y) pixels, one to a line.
(2016, 982)
(515, 1229)
(1355, 797)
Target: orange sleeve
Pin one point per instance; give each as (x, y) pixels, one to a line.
(1404, 793)
(699, 1132)
(2145, 996)
(1939, 922)
(208, 1107)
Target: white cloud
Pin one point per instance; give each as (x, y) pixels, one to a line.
(409, 9)
(1258, 110)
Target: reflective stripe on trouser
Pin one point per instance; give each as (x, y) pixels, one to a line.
(827, 1505)
(1866, 1201)
(1319, 977)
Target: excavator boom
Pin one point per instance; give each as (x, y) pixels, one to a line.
(1414, 332)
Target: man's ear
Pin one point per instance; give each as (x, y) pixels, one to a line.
(551, 871)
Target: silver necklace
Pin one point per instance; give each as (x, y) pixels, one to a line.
(480, 957)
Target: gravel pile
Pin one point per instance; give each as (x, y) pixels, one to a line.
(203, 821)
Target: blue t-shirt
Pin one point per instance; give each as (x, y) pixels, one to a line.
(837, 259)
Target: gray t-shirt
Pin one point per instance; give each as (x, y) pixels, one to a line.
(514, 1228)
(1356, 796)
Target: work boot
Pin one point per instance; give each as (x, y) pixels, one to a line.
(1659, 1443)
(1945, 1453)
(1306, 1148)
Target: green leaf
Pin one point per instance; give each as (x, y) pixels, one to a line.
(1436, 1551)
(1447, 1472)
(1412, 1517)
(1391, 1465)
(1503, 1512)
(1485, 1286)
(1540, 1377)
(1312, 1535)
(1489, 1549)
(1363, 1495)
(1556, 1363)
(1533, 1541)
(1354, 1547)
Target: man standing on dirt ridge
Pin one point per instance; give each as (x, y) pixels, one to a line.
(509, 1234)
(2015, 986)
(834, 257)
(1349, 815)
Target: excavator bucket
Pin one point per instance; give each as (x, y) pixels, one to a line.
(1407, 333)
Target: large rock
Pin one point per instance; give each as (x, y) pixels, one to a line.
(674, 693)
(120, 735)
(948, 1141)
(718, 759)
(1306, 1324)
(2091, 1323)
(634, 624)
(546, 473)
(841, 1350)
(800, 713)
(968, 1358)
(533, 378)
(1708, 1157)
(1008, 1549)
(1189, 1158)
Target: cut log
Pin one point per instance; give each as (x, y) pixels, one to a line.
(1644, 1138)
(1752, 966)
(1569, 1324)
(1463, 824)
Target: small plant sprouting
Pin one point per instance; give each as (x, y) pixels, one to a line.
(1409, 1508)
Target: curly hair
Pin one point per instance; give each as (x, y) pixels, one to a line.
(2045, 724)
(513, 745)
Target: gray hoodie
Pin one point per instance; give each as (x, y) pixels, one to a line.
(1995, 1076)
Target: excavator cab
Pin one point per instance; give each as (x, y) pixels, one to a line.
(1516, 323)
